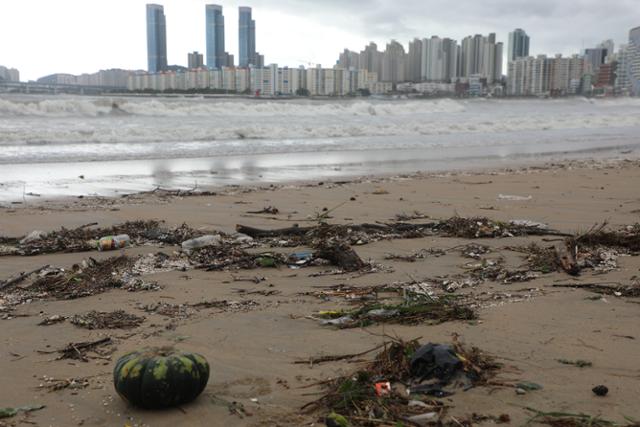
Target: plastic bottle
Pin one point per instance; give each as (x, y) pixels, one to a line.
(111, 243)
(201, 242)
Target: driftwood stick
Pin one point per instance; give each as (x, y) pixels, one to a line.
(282, 232)
(21, 277)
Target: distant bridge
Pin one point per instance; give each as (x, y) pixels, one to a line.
(40, 88)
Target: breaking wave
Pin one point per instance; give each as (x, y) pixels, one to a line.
(90, 128)
(201, 107)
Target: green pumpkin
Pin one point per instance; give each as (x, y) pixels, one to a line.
(160, 378)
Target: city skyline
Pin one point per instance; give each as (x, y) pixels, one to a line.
(323, 31)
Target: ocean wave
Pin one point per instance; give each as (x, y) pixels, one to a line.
(198, 107)
(239, 128)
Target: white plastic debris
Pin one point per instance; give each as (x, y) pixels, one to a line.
(201, 242)
(34, 236)
(513, 198)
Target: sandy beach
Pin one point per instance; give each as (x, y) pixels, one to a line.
(269, 318)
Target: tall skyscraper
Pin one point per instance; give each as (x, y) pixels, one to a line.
(518, 45)
(633, 67)
(156, 38)
(216, 55)
(247, 38)
(394, 61)
(482, 56)
(414, 66)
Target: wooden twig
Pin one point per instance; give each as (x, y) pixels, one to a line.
(21, 277)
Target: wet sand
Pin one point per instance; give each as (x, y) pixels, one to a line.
(527, 326)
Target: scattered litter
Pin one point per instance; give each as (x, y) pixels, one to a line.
(601, 390)
(578, 363)
(52, 320)
(83, 238)
(410, 217)
(12, 412)
(512, 198)
(176, 311)
(201, 242)
(112, 243)
(529, 223)
(415, 309)
(228, 306)
(474, 251)
(52, 384)
(101, 320)
(529, 386)
(34, 236)
(565, 419)
(362, 398)
(421, 254)
(78, 351)
(268, 210)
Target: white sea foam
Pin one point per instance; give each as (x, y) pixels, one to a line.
(36, 128)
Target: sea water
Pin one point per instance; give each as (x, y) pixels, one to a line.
(73, 145)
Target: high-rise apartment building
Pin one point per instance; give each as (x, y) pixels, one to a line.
(518, 45)
(349, 59)
(594, 58)
(414, 62)
(156, 38)
(195, 60)
(542, 76)
(216, 55)
(439, 59)
(371, 59)
(481, 56)
(432, 59)
(633, 67)
(247, 38)
(622, 84)
(394, 62)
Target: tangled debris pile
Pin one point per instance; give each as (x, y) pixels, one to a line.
(102, 320)
(421, 254)
(358, 234)
(78, 351)
(598, 250)
(175, 311)
(379, 392)
(225, 257)
(82, 239)
(565, 419)
(91, 278)
(474, 250)
(53, 384)
(416, 308)
(228, 306)
(613, 289)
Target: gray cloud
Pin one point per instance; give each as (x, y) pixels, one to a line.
(292, 32)
(556, 26)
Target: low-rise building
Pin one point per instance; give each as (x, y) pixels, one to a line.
(10, 75)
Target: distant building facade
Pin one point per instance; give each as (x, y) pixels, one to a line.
(247, 40)
(264, 81)
(195, 60)
(111, 79)
(9, 75)
(156, 38)
(481, 56)
(217, 57)
(633, 67)
(518, 45)
(543, 76)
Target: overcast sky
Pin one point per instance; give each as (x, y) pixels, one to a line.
(41, 37)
